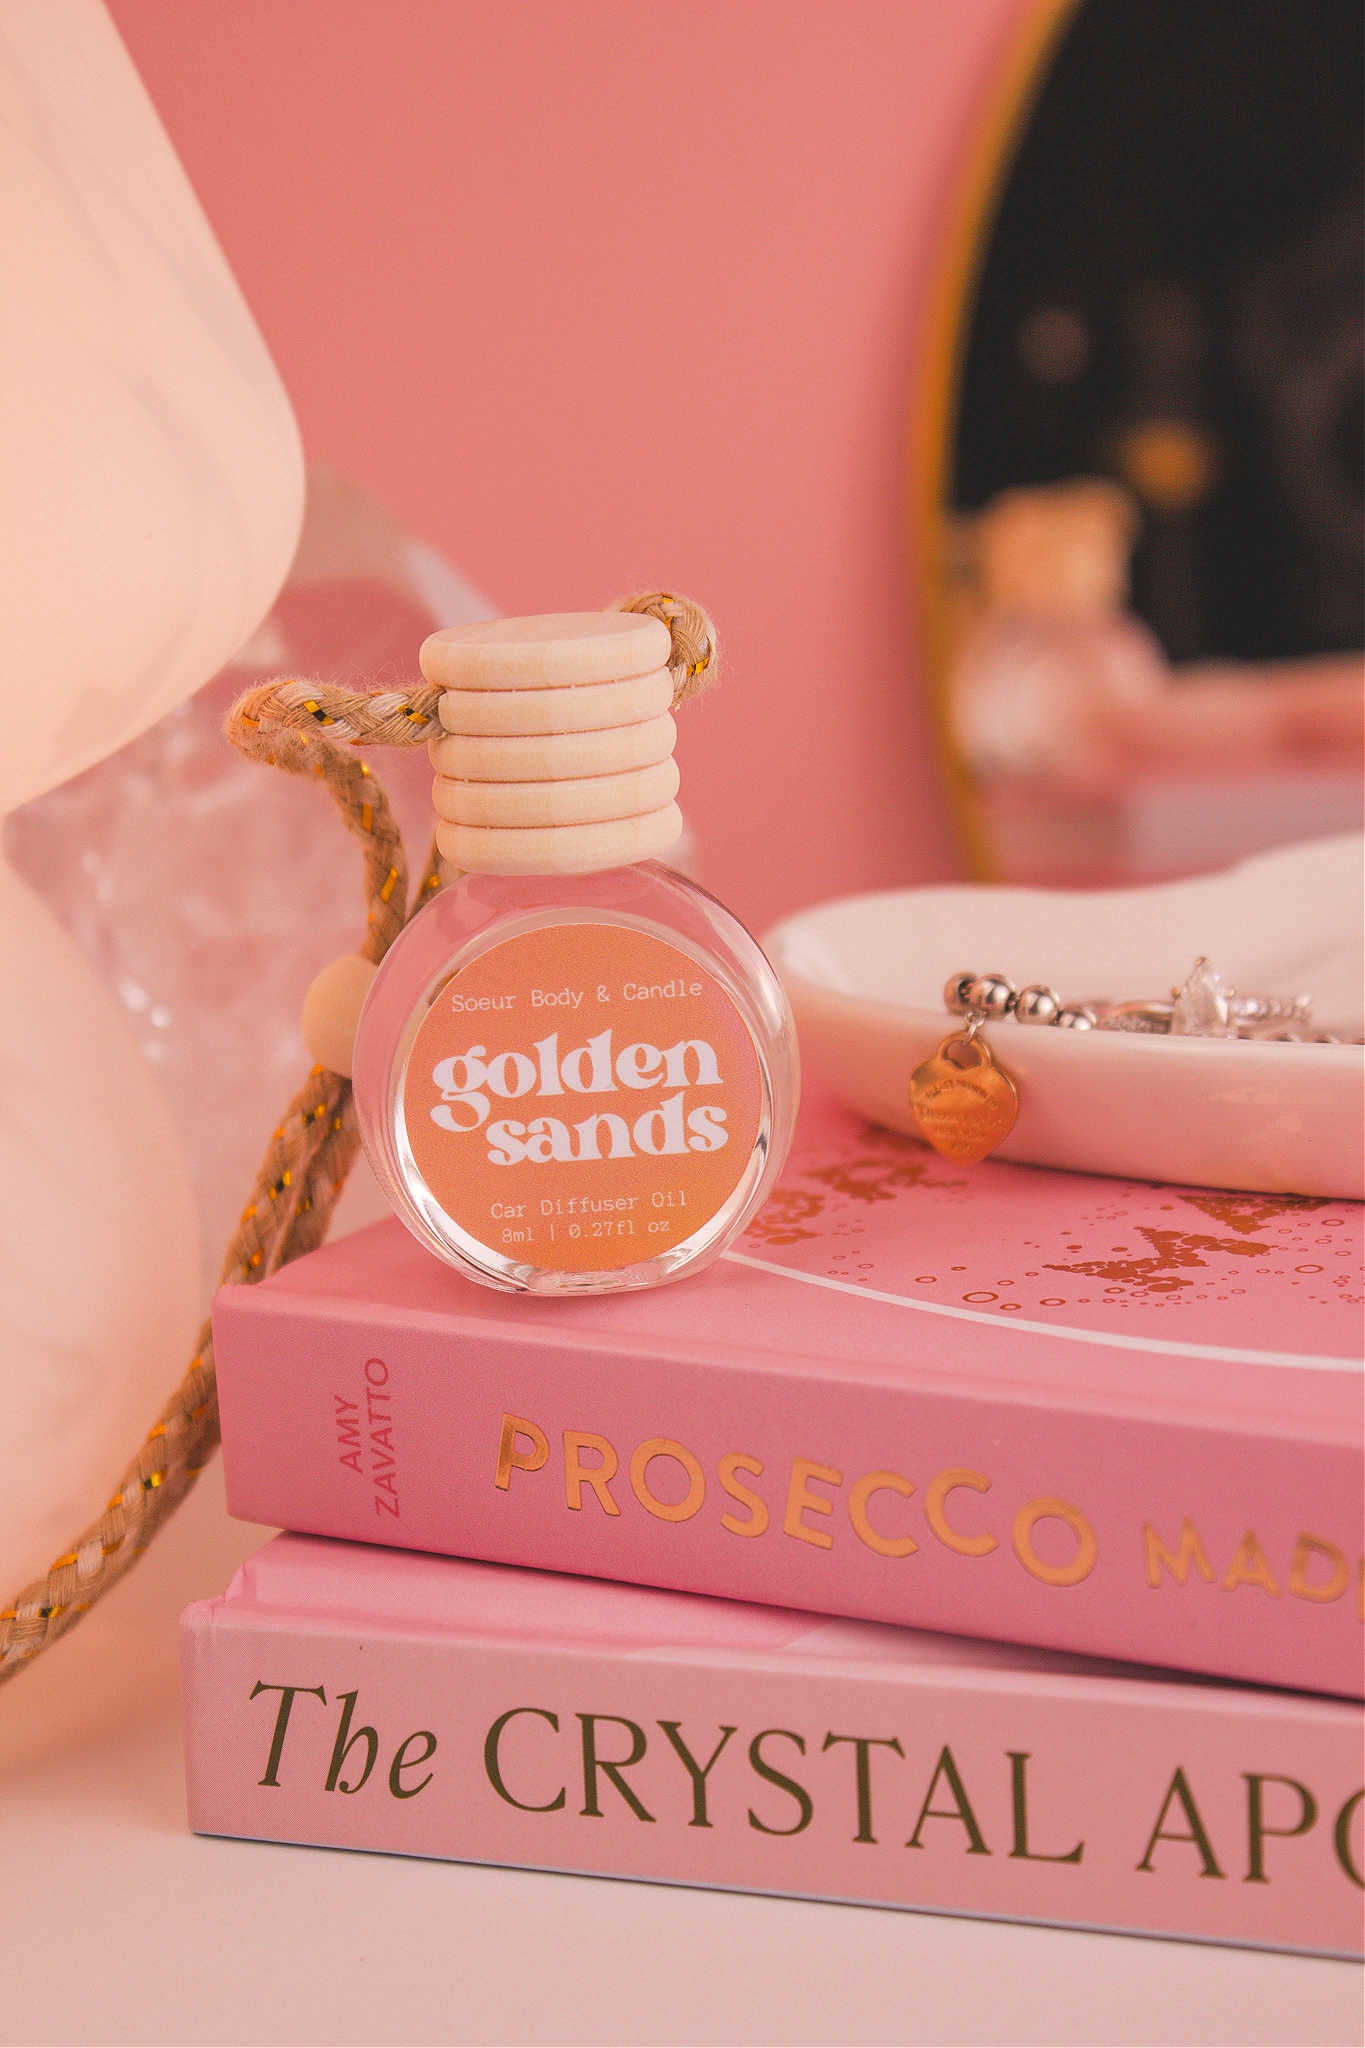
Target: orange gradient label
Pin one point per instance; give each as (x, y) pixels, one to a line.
(582, 1097)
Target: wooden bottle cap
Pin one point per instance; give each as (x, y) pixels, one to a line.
(586, 800)
(546, 652)
(556, 756)
(553, 757)
(584, 707)
(559, 849)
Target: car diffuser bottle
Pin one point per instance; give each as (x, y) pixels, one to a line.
(575, 1071)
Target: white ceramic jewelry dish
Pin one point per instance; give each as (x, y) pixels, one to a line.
(865, 976)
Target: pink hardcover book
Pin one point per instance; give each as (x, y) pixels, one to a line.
(1092, 1415)
(352, 1696)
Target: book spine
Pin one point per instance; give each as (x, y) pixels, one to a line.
(1072, 1801)
(1039, 1520)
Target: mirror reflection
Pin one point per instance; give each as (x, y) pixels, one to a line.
(1152, 577)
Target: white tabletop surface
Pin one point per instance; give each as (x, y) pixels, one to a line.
(119, 1926)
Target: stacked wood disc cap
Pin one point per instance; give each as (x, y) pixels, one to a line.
(557, 750)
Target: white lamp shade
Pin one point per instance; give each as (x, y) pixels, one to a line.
(151, 482)
(150, 500)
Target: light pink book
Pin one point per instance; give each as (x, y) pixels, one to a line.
(1092, 1415)
(357, 1697)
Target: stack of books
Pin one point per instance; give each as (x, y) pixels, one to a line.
(981, 1540)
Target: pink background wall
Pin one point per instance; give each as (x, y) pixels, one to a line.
(606, 295)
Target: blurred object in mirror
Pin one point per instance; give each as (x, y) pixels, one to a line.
(1053, 675)
(1074, 728)
(205, 892)
(1054, 344)
(1169, 303)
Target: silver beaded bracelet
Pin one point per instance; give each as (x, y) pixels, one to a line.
(1202, 1006)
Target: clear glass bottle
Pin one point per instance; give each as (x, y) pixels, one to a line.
(576, 1071)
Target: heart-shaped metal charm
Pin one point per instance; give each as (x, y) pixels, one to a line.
(964, 1104)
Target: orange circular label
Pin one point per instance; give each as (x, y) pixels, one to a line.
(582, 1097)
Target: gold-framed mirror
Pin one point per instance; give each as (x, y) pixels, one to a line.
(1136, 458)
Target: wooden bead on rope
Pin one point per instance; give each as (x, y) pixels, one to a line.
(331, 1011)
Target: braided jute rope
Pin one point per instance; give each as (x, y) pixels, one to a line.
(309, 729)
